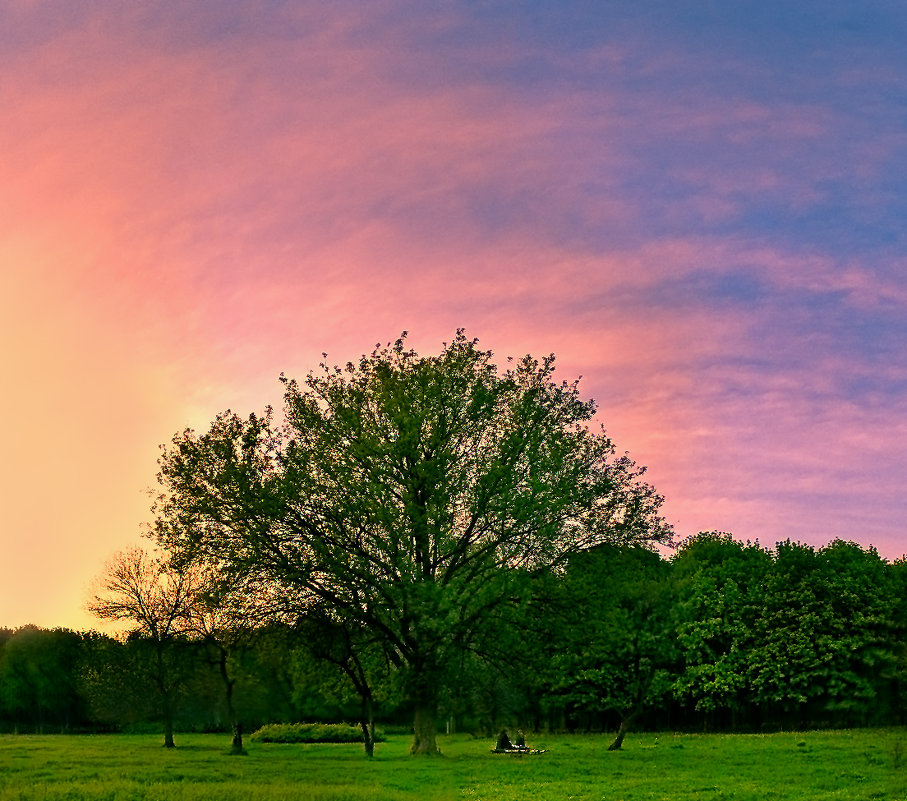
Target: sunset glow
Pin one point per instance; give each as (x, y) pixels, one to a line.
(698, 208)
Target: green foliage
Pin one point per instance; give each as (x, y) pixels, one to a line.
(824, 635)
(38, 679)
(719, 583)
(113, 680)
(744, 638)
(268, 686)
(311, 733)
(788, 637)
(402, 494)
(616, 650)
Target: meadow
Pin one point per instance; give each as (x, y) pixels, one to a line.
(815, 765)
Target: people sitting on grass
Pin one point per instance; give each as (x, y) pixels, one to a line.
(505, 746)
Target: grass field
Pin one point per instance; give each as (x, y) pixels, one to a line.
(851, 765)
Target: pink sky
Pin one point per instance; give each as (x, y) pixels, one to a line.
(195, 197)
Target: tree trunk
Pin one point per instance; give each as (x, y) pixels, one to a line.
(167, 719)
(367, 723)
(236, 745)
(621, 733)
(168, 732)
(353, 668)
(423, 693)
(164, 693)
(425, 731)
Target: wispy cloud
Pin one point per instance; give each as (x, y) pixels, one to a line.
(700, 211)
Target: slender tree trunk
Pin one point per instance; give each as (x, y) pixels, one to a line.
(643, 682)
(236, 746)
(353, 668)
(367, 723)
(166, 701)
(167, 717)
(625, 723)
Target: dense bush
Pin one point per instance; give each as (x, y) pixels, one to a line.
(311, 733)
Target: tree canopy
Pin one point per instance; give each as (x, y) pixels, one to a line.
(405, 494)
(723, 636)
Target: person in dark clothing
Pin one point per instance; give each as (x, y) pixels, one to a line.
(504, 746)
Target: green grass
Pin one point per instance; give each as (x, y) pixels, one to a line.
(819, 766)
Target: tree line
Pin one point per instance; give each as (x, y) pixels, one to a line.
(454, 541)
(722, 636)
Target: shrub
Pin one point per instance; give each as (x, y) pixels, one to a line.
(311, 733)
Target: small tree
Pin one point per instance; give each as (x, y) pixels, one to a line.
(154, 597)
(352, 652)
(403, 492)
(617, 649)
(224, 613)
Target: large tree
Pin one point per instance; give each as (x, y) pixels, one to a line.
(403, 493)
(823, 648)
(719, 585)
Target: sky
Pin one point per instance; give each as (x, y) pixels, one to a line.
(698, 206)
